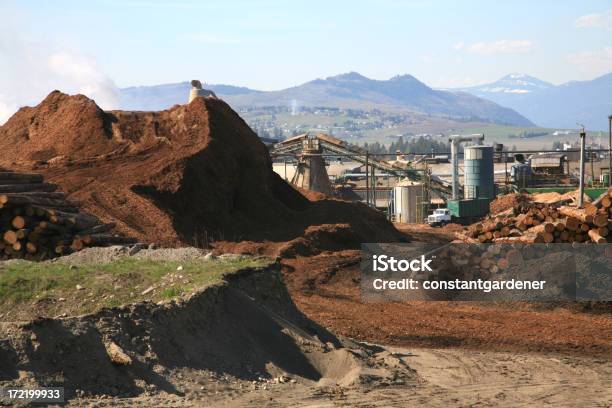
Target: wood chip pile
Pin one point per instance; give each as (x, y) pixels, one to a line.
(559, 222)
(38, 223)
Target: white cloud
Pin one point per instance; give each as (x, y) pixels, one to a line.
(459, 46)
(501, 46)
(205, 38)
(30, 70)
(595, 20)
(593, 63)
(6, 110)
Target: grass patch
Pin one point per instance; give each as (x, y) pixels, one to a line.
(172, 292)
(51, 288)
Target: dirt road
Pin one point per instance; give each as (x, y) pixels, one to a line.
(444, 378)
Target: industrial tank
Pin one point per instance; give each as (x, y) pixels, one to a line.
(520, 174)
(478, 170)
(409, 202)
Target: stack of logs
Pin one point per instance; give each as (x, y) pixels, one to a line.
(38, 223)
(546, 223)
(473, 262)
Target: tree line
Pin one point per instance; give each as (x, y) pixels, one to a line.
(412, 145)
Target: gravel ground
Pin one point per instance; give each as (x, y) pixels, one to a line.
(103, 255)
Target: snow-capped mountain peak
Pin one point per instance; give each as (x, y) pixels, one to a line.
(515, 83)
(549, 105)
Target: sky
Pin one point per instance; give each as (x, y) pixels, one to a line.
(94, 47)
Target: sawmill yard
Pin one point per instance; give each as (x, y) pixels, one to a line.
(210, 280)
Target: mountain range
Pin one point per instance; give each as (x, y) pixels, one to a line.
(350, 90)
(516, 99)
(563, 106)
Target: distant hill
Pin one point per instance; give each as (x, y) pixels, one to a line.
(157, 97)
(562, 106)
(350, 90)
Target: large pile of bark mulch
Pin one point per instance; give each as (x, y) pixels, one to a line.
(188, 175)
(507, 201)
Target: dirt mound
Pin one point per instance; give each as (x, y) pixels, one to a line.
(241, 333)
(60, 125)
(329, 237)
(312, 195)
(192, 174)
(507, 201)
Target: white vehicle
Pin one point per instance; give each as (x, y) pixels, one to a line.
(439, 217)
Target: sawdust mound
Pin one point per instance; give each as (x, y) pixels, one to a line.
(60, 126)
(187, 175)
(507, 201)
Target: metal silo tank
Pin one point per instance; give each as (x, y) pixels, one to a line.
(410, 202)
(478, 172)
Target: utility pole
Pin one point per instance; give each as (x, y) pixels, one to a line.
(582, 142)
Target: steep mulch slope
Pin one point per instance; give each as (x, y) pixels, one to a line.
(183, 176)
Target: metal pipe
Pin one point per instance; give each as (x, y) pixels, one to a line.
(454, 170)
(367, 178)
(455, 141)
(592, 168)
(276, 156)
(582, 142)
(374, 186)
(506, 169)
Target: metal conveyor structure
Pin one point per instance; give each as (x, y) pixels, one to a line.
(331, 146)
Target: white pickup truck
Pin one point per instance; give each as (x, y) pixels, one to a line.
(439, 217)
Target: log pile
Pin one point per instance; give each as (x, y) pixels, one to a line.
(557, 222)
(524, 262)
(474, 262)
(38, 223)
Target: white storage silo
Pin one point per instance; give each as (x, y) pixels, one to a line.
(409, 202)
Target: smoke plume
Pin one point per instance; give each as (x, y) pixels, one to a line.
(30, 70)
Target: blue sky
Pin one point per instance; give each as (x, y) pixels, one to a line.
(266, 44)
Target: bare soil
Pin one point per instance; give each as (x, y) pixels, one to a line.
(240, 335)
(427, 233)
(246, 344)
(442, 378)
(326, 289)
